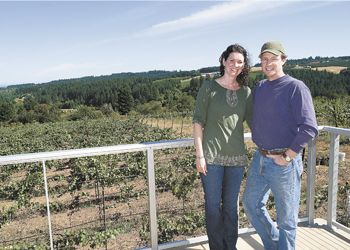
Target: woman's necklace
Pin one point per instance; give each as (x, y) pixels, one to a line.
(231, 97)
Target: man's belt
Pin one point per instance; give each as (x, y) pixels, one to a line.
(265, 152)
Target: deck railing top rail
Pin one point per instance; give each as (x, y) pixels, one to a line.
(335, 130)
(83, 152)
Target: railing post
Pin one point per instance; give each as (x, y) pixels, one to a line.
(333, 179)
(310, 188)
(152, 199)
(47, 204)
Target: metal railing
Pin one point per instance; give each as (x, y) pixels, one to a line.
(335, 134)
(150, 147)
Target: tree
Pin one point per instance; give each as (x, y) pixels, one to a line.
(25, 116)
(195, 84)
(29, 102)
(46, 113)
(125, 100)
(152, 107)
(107, 109)
(85, 112)
(185, 103)
(7, 111)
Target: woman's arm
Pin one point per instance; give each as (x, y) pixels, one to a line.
(198, 139)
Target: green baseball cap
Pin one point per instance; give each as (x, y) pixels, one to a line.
(273, 47)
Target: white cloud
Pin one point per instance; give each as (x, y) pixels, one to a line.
(216, 14)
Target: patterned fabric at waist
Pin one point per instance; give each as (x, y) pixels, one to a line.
(234, 160)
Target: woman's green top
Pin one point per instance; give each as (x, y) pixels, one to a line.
(221, 113)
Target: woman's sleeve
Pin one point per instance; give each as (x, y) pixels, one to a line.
(202, 101)
(249, 108)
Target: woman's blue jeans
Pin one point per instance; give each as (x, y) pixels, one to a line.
(221, 189)
(266, 176)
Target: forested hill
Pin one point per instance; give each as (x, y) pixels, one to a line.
(313, 62)
(154, 74)
(123, 92)
(317, 61)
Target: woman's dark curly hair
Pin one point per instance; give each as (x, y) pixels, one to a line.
(242, 78)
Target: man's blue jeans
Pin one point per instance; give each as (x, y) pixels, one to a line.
(221, 189)
(266, 176)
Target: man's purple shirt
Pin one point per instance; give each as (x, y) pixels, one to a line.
(283, 114)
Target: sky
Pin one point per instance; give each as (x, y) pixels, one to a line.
(42, 41)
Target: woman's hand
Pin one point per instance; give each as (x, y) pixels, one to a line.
(201, 165)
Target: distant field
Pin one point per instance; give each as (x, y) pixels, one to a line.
(332, 69)
(255, 69)
(186, 82)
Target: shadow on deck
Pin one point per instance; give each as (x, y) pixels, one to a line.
(317, 236)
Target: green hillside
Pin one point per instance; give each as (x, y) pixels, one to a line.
(152, 92)
(318, 61)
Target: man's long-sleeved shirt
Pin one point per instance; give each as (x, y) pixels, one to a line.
(283, 114)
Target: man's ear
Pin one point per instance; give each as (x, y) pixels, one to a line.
(284, 61)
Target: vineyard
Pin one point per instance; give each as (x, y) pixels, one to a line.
(101, 202)
(97, 201)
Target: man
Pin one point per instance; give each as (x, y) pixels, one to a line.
(283, 123)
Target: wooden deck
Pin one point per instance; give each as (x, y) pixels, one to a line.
(317, 237)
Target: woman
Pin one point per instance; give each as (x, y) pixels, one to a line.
(222, 106)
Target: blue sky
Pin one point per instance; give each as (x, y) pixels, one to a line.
(50, 40)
